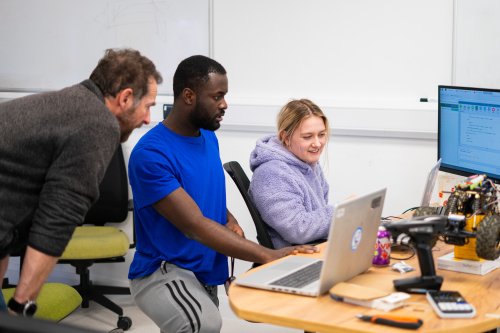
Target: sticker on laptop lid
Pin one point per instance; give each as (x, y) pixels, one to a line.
(340, 212)
(356, 238)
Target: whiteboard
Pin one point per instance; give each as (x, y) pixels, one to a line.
(360, 50)
(477, 49)
(50, 44)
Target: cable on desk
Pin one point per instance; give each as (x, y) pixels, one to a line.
(409, 209)
(402, 247)
(390, 218)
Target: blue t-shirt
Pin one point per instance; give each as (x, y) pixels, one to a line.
(161, 162)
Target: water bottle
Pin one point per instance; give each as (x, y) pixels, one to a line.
(382, 255)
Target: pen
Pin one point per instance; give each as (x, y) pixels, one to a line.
(396, 321)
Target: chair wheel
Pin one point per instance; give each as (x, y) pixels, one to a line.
(124, 323)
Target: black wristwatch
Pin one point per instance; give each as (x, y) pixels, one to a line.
(26, 309)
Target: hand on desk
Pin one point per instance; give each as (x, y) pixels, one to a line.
(272, 255)
(299, 249)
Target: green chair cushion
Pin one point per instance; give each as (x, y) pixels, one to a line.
(96, 242)
(55, 301)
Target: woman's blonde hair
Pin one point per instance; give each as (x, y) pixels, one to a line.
(293, 113)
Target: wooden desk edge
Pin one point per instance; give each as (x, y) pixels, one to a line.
(488, 320)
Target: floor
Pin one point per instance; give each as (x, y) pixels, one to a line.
(102, 320)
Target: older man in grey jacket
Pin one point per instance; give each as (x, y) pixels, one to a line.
(54, 150)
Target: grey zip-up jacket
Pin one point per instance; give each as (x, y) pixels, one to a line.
(54, 150)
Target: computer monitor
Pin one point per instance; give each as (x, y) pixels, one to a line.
(469, 131)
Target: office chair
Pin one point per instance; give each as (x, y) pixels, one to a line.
(55, 301)
(242, 182)
(239, 177)
(95, 242)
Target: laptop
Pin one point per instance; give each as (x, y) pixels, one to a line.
(349, 252)
(429, 186)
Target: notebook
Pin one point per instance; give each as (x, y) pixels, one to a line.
(349, 251)
(429, 186)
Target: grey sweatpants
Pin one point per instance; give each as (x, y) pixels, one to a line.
(177, 301)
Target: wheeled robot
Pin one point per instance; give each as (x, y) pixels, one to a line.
(473, 219)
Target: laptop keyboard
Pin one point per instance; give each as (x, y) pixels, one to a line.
(300, 278)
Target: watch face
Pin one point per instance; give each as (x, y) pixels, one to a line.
(29, 309)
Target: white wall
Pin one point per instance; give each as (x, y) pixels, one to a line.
(50, 44)
(359, 50)
(477, 48)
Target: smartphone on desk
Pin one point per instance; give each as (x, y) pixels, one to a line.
(450, 304)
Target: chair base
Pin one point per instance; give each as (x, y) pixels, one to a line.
(96, 294)
(90, 292)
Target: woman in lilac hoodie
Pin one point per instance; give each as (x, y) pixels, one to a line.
(288, 186)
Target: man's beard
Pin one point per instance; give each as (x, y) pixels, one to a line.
(126, 125)
(206, 123)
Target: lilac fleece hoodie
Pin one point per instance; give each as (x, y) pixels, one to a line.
(291, 195)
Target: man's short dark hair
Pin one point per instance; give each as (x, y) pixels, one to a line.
(192, 72)
(124, 68)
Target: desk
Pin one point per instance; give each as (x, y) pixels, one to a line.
(322, 314)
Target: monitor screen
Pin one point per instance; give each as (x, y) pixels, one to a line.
(469, 131)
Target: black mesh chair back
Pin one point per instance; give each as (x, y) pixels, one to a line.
(113, 202)
(242, 182)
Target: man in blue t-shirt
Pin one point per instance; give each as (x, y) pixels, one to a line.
(184, 230)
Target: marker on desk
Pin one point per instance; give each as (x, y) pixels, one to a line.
(427, 100)
(395, 321)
